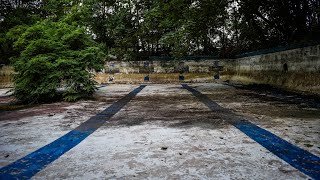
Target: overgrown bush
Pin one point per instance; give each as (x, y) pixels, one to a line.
(55, 55)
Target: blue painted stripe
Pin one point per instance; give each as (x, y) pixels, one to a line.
(31, 164)
(300, 159)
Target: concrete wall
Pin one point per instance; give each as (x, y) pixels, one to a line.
(158, 66)
(302, 74)
(159, 71)
(304, 59)
(303, 69)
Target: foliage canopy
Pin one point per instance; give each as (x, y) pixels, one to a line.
(136, 29)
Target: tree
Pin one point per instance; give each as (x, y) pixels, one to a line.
(270, 23)
(136, 29)
(13, 13)
(54, 55)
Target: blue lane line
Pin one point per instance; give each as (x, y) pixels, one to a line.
(300, 159)
(31, 164)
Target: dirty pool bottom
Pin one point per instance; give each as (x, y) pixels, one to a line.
(194, 152)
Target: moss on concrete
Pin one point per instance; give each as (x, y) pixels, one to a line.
(308, 82)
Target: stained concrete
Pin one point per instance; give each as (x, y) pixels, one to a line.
(163, 133)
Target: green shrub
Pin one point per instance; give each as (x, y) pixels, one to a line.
(55, 55)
